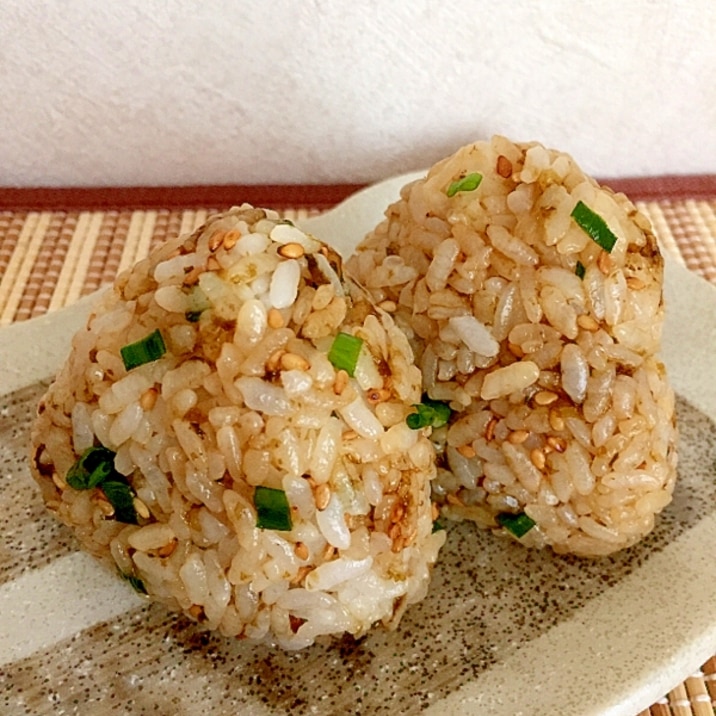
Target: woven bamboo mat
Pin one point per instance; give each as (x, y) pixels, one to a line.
(50, 258)
(54, 249)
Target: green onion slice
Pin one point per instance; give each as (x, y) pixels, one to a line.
(519, 525)
(94, 466)
(136, 582)
(467, 183)
(121, 497)
(437, 526)
(272, 509)
(594, 226)
(433, 413)
(345, 351)
(580, 270)
(146, 350)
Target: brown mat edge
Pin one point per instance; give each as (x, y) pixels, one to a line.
(274, 196)
(319, 196)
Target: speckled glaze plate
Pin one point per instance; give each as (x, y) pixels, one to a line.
(504, 630)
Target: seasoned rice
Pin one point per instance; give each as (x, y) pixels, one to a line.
(543, 340)
(245, 405)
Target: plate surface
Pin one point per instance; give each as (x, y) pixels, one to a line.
(504, 630)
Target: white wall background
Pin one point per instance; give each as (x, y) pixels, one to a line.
(185, 91)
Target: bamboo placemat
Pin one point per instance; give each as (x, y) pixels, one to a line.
(56, 247)
(59, 245)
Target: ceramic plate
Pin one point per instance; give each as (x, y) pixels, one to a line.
(504, 630)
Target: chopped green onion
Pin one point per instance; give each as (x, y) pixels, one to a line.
(94, 466)
(272, 509)
(580, 270)
(121, 497)
(594, 226)
(518, 525)
(433, 413)
(136, 582)
(467, 183)
(345, 351)
(437, 526)
(146, 350)
(192, 316)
